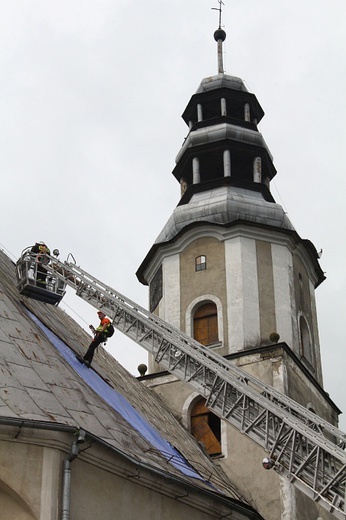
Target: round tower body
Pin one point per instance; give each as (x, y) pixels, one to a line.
(228, 251)
(259, 280)
(230, 270)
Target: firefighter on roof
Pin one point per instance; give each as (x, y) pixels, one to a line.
(104, 331)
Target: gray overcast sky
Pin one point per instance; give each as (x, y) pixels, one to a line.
(91, 93)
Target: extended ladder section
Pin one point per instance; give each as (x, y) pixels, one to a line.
(301, 446)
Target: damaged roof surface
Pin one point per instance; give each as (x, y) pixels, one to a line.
(42, 381)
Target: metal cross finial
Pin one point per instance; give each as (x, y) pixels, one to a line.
(219, 37)
(220, 2)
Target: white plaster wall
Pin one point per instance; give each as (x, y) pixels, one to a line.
(169, 307)
(242, 293)
(186, 409)
(279, 373)
(250, 288)
(234, 294)
(284, 302)
(288, 503)
(50, 484)
(315, 334)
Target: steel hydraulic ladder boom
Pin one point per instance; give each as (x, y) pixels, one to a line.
(302, 447)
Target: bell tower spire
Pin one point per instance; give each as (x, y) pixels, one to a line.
(230, 270)
(219, 36)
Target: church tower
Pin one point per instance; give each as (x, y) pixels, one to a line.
(229, 269)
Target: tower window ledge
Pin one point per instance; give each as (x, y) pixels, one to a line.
(217, 456)
(217, 344)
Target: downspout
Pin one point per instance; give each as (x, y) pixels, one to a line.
(66, 487)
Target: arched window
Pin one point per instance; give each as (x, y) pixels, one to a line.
(305, 341)
(205, 329)
(206, 428)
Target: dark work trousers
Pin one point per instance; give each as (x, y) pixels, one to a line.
(98, 339)
(41, 276)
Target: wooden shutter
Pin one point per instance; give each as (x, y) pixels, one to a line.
(205, 427)
(205, 324)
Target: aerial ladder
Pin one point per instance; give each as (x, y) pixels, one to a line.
(301, 446)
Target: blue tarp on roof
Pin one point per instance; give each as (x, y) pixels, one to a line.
(119, 403)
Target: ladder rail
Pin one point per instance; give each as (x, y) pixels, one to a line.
(304, 448)
(109, 294)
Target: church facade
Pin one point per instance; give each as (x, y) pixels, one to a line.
(230, 270)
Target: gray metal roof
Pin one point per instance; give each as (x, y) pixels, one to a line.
(219, 81)
(222, 131)
(222, 206)
(38, 384)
